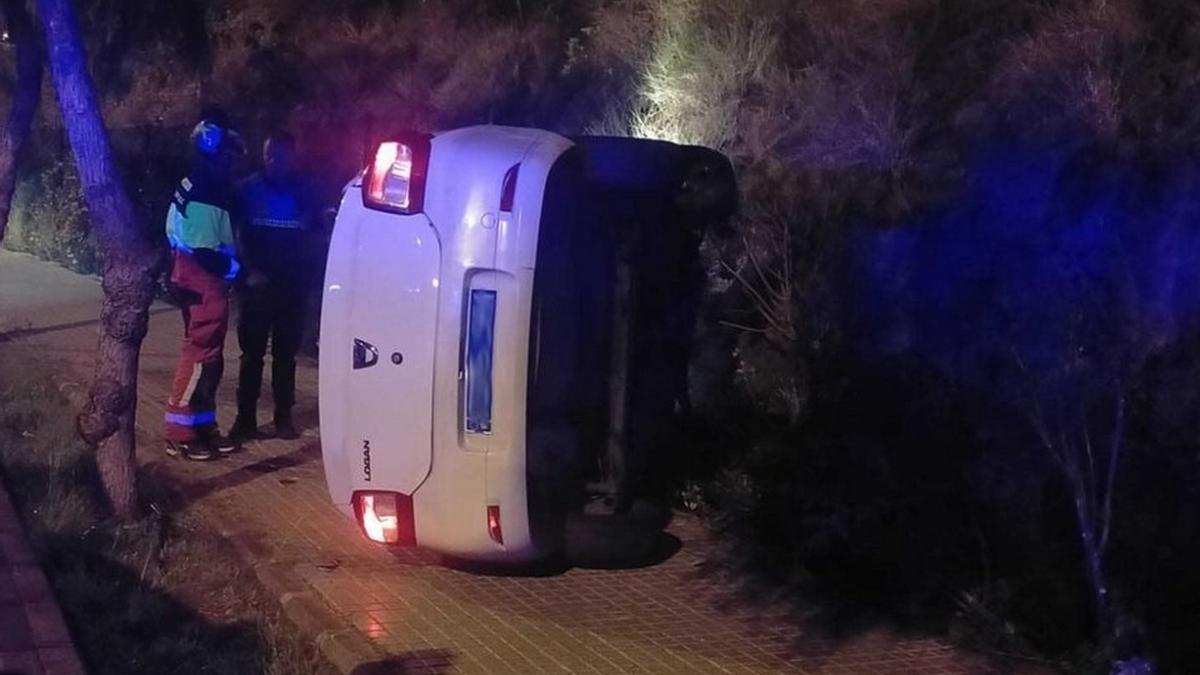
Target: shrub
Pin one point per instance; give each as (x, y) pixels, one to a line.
(52, 222)
(860, 122)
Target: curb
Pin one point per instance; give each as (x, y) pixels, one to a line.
(47, 644)
(346, 649)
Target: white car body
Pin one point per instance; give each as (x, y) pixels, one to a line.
(401, 284)
(468, 372)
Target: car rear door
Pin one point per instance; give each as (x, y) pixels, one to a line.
(393, 323)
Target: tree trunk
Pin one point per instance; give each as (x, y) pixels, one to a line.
(24, 101)
(130, 263)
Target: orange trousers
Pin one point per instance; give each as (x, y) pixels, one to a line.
(192, 406)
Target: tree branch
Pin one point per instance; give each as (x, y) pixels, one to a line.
(742, 327)
(764, 307)
(1093, 491)
(1115, 452)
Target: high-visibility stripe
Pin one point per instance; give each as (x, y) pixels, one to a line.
(192, 419)
(278, 223)
(188, 391)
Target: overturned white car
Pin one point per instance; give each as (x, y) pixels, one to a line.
(480, 328)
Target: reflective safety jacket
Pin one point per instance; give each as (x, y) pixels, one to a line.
(199, 222)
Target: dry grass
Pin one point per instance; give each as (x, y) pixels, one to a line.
(1068, 63)
(837, 112)
(698, 73)
(161, 595)
(813, 100)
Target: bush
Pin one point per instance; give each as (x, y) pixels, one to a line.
(847, 455)
(52, 222)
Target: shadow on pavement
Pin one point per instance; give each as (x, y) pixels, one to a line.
(629, 540)
(198, 489)
(421, 662)
(19, 333)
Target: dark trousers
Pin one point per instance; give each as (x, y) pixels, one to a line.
(275, 313)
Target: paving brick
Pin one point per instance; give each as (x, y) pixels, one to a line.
(46, 623)
(61, 661)
(8, 588)
(669, 618)
(15, 549)
(31, 583)
(15, 635)
(20, 663)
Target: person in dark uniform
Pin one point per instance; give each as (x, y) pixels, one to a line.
(277, 233)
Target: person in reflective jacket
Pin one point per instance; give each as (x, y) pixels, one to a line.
(277, 236)
(203, 266)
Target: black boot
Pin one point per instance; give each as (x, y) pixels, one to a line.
(245, 428)
(284, 428)
(222, 445)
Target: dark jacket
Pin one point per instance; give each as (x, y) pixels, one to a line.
(276, 226)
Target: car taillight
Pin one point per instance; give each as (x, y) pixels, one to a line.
(395, 181)
(385, 517)
(379, 519)
(493, 520)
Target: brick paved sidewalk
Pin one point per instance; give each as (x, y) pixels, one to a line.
(372, 610)
(33, 636)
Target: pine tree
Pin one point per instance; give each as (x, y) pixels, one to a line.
(130, 263)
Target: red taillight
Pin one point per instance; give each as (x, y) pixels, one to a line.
(395, 181)
(508, 192)
(493, 517)
(379, 519)
(385, 517)
(391, 174)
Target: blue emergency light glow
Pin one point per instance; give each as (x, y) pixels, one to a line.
(481, 325)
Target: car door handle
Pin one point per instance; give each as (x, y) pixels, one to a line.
(365, 354)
